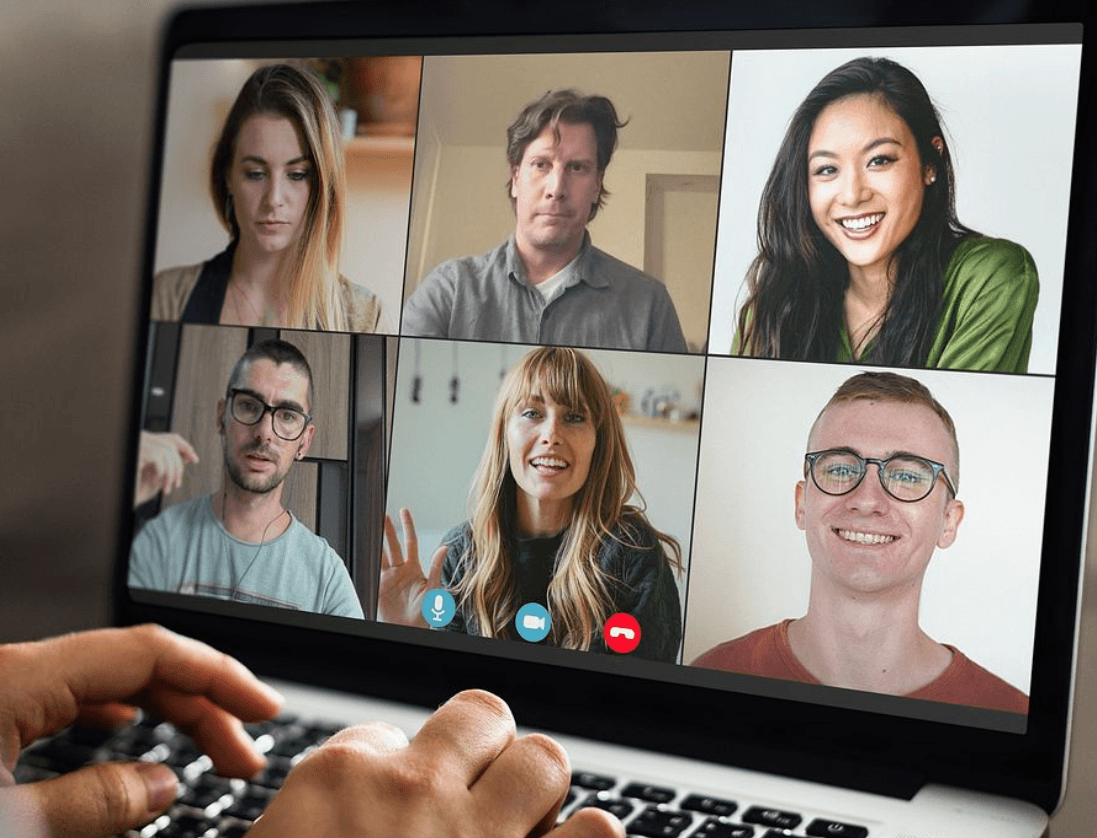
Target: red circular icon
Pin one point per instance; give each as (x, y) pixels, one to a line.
(622, 633)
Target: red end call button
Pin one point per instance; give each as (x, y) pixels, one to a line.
(622, 633)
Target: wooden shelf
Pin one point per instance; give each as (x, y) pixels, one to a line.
(377, 146)
(636, 419)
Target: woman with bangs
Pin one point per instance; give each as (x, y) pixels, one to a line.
(277, 182)
(550, 522)
(861, 254)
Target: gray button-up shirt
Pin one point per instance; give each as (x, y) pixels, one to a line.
(604, 303)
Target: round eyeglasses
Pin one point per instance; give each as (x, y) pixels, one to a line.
(247, 409)
(906, 477)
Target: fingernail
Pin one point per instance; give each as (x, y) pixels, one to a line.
(161, 784)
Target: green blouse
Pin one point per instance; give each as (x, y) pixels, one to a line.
(990, 294)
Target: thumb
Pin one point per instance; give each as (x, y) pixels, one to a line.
(434, 576)
(105, 799)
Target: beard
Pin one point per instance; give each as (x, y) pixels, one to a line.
(256, 484)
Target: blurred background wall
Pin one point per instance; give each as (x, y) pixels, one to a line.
(76, 105)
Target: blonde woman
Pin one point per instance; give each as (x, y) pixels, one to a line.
(277, 183)
(550, 522)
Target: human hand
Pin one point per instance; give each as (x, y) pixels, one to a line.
(465, 774)
(402, 584)
(161, 461)
(96, 677)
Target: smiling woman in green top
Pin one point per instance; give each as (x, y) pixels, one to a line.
(861, 256)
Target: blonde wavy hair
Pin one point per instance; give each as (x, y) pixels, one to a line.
(579, 597)
(297, 94)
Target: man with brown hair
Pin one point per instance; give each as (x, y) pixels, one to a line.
(871, 537)
(547, 284)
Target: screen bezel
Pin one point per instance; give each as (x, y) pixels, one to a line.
(814, 742)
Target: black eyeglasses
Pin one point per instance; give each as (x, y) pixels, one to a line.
(288, 422)
(906, 477)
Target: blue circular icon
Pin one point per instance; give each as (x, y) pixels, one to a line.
(438, 607)
(533, 622)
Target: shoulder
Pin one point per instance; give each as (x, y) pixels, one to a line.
(618, 273)
(965, 682)
(633, 542)
(491, 263)
(982, 260)
(457, 541)
(298, 537)
(363, 307)
(177, 522)
(171, 288)
(754, 653)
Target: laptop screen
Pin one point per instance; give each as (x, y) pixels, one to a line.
(723, 362)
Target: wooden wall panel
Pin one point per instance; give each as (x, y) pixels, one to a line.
(329, 358)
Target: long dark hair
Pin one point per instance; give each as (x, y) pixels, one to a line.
(796, 284)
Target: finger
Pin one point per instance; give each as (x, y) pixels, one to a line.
(465, 735)
(411, 540)
(522, 789)
(106, 716)
(186, 450)
(55, 678)
(434, 578)
(217, 733)
(106, 799)
(373, 739)
(589, 823)
(391, 555)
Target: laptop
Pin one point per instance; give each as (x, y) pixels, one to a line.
(705, 101)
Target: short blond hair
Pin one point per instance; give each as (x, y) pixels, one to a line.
(892, 387)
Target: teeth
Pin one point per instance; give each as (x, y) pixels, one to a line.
(552, 462)
(865, 537)
(862, 223)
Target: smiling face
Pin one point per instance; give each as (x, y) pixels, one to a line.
(270, 183)
(555, 187)
(549, 450)
(866, 181)
(256, 458)
(866, 541)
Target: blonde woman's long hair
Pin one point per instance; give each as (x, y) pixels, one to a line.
(297, 94)
(579, 595)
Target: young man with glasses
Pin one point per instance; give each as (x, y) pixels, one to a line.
(240, 543)
(877, 499)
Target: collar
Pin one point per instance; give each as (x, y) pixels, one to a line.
(582, 268)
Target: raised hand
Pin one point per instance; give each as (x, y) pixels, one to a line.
(402, 584)
(161, 461)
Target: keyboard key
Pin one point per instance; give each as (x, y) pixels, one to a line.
(708, 805)
(820, 828)
(652, 794)
(275, 772)
(620, 808)
(186, 824)
(659, 823)
(594, 782)
(251, 805)
(713, 828)
(772, 817)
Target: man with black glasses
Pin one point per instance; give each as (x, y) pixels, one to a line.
(240, 543)
(877, 499)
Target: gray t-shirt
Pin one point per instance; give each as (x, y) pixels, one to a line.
(185, 550)
(604, 303)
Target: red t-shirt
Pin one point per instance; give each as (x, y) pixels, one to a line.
(767, 652)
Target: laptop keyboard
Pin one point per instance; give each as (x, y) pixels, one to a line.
(211, 806)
